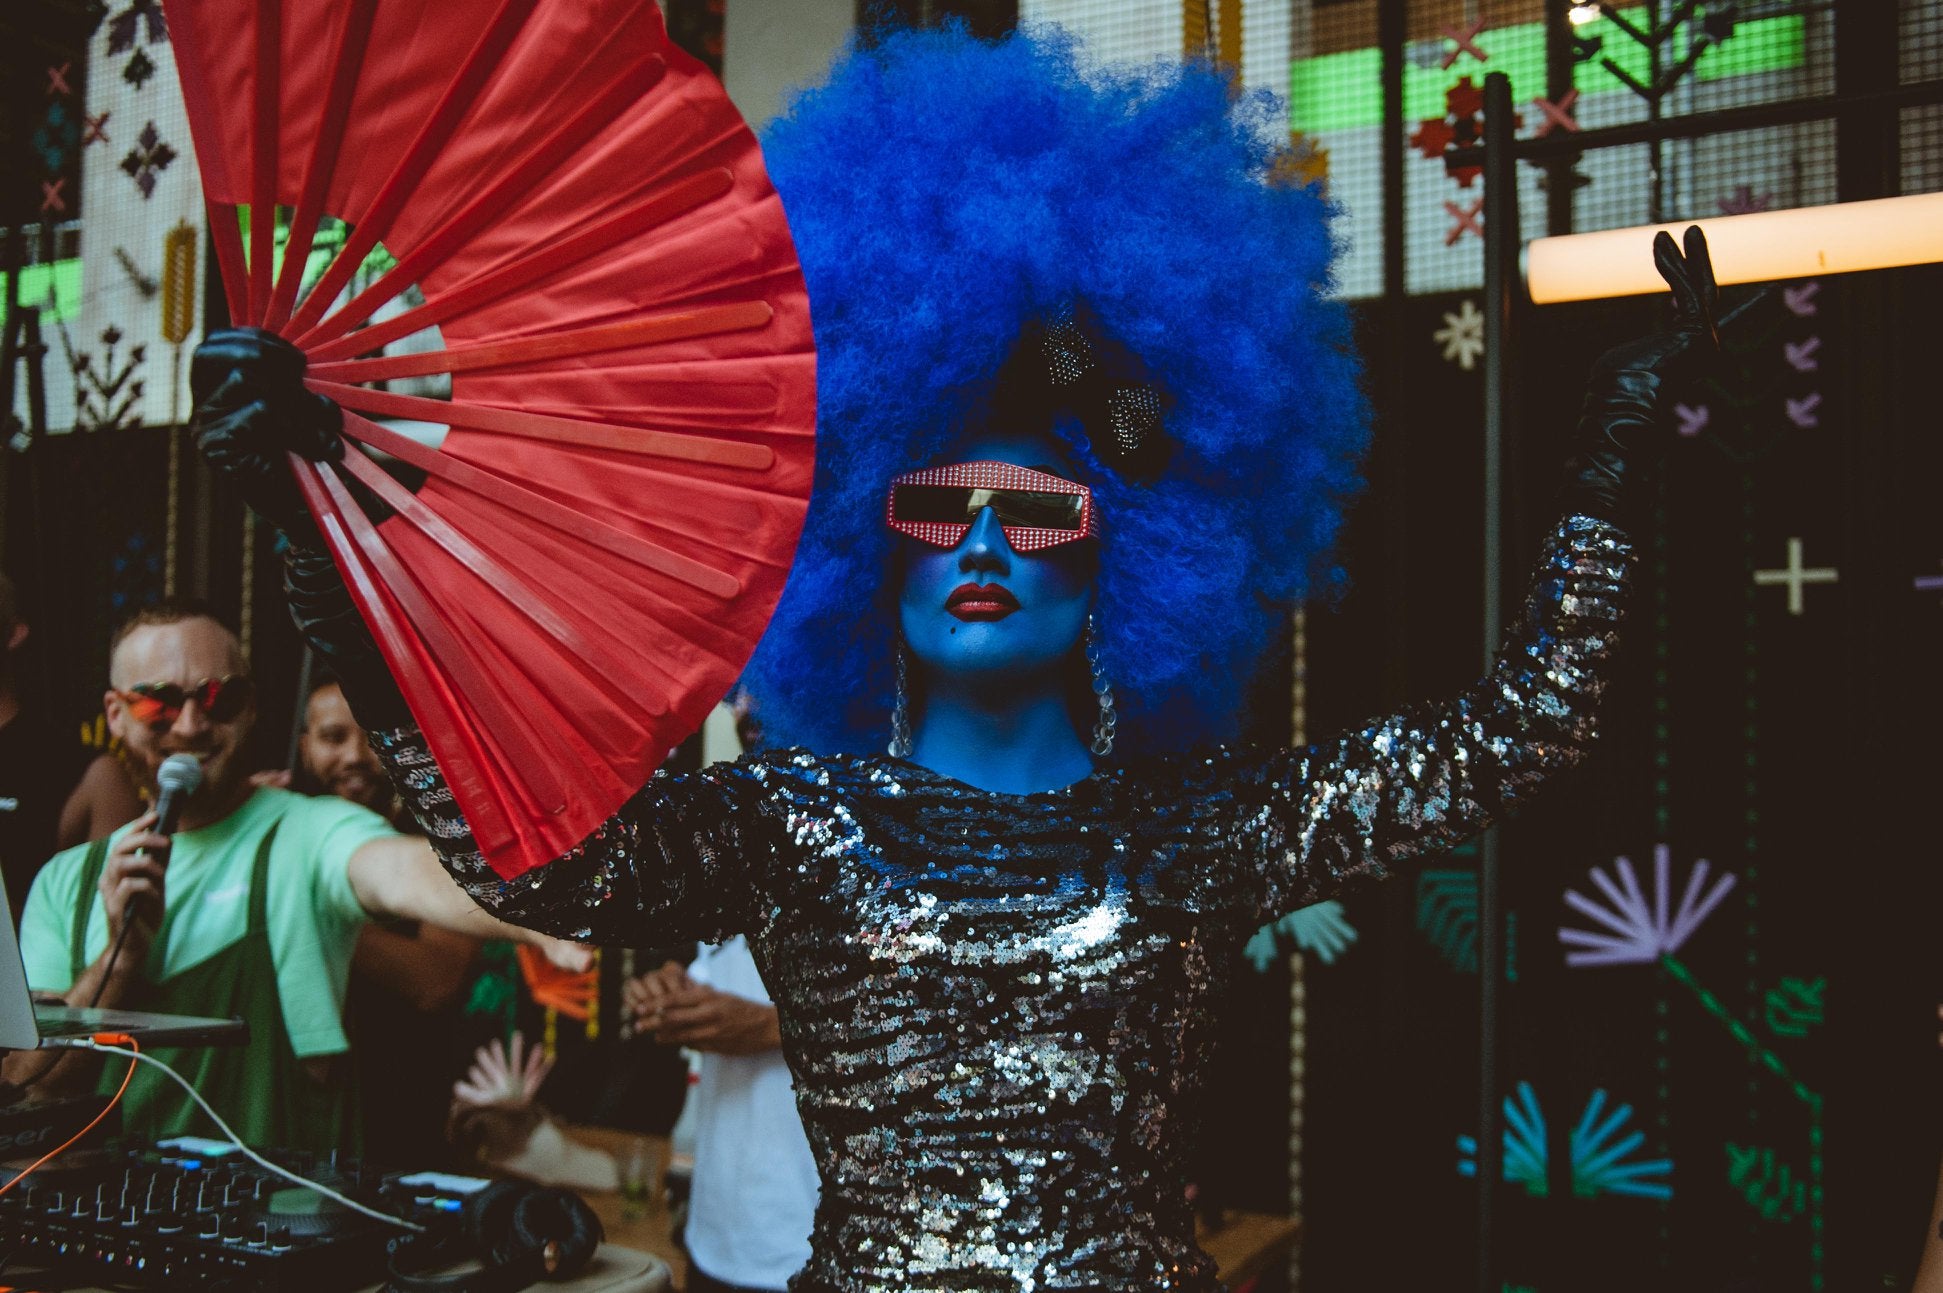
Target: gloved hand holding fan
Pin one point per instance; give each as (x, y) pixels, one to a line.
(576, 208)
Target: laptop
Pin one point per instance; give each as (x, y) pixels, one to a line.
(26, 1024)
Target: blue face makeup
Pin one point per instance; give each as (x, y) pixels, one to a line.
(981, 613)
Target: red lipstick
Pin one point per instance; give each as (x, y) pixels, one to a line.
(981, 602)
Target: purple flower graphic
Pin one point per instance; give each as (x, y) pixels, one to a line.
(1638, 931)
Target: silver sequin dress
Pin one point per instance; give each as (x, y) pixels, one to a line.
(998, 1008)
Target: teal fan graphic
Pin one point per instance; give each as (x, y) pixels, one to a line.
(1600, 1148)
(1321, 929)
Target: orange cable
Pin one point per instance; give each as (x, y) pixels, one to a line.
(102, 1039)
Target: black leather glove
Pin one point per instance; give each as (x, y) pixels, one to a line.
(252, 410)
(321, 605)
(1622, 426)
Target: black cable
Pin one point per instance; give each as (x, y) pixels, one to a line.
(127, 919)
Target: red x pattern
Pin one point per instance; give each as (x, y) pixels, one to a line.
(1558, 116)
(1467, 221)
(1466, 39)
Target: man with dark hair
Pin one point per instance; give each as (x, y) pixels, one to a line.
(336, 756)
(252, 908)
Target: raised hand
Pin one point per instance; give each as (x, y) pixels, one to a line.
(499, 1080)
(1628, 401)
(252, 411)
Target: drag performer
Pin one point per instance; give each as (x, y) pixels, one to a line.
(1081, 305)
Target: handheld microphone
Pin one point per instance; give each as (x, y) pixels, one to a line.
(177, 779)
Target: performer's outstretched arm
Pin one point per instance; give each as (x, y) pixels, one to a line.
(684, 860)
(1432, 776)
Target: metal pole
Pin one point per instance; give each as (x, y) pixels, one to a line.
(298, 720)
(1546, 148)
(1391, 33)
(1560, 175)
(1500, 276)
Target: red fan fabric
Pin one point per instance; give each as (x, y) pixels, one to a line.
(606, 527)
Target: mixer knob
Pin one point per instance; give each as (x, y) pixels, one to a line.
(280, 1239)
(233, 1226)
(131, 1216)
(208, 1226)
(169, 1223)
(260, 1235)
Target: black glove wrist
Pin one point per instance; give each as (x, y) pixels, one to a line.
(1623, 424)
(321, 606)
(1619, 426)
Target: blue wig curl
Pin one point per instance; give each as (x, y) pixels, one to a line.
(948, 193)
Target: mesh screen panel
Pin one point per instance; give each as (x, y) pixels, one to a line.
(1922, 149)
(1335, 101)
(1136, 30)
(1140, 31)
(1919, 40)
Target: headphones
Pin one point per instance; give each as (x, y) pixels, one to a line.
(523, 1235)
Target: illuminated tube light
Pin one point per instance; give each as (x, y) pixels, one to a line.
(1757, 248)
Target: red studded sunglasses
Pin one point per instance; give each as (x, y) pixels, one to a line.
(937, 505)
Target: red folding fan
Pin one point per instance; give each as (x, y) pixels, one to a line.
(575, 207)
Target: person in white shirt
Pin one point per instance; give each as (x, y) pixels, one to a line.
(753, 1195)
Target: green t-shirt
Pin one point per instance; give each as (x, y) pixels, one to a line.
(313, 915)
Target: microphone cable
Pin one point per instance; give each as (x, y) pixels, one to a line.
(114, 953)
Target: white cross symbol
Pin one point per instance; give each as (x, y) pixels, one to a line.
(1794, 576)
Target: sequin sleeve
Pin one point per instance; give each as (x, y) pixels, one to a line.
(687, 859)
(1427, 778)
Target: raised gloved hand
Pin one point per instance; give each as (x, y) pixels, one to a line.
(1628, 399)
(251, 411)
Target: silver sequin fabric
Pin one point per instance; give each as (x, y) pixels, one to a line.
(999, 1009)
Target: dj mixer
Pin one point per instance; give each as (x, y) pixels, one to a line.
(191, 1214)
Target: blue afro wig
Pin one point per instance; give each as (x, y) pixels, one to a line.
(948, 195)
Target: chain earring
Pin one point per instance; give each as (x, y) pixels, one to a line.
(1108, 721)
(900, 746)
